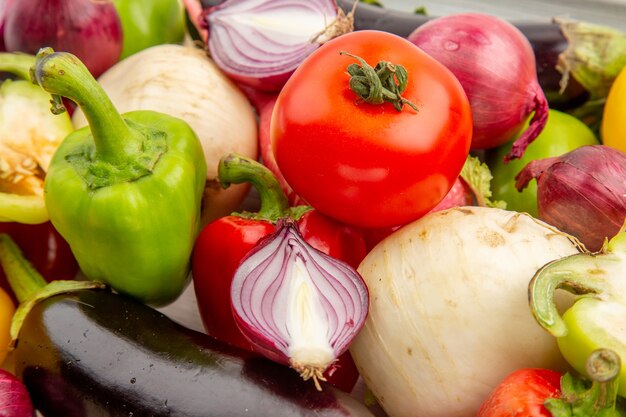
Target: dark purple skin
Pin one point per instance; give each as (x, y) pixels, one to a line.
(97, 354)
(581, 192)
(14, 399)
(91, 30)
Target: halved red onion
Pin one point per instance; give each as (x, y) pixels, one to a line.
(261, 42)
(297, 305)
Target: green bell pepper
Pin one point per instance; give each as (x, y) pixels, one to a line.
(562, 133)
(125, 191)
(147, 23)
(29, 135)
(596, 319)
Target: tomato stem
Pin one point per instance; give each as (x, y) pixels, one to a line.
(384, 83)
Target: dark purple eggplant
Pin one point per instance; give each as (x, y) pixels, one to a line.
(545, 37)
(95, 354)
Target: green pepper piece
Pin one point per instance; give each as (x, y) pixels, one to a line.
(125, 191)
(29, 135)
(150, 23)
(596, 318)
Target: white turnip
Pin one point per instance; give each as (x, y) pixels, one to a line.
(449, 315)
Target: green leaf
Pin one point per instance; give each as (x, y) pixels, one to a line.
(477, 176)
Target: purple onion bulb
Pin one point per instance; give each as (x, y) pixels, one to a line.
(582, 192)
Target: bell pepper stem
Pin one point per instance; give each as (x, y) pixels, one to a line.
(237, 169)
(22, 276)
(569, 273)
(63, 74)
(599, 400)
(16, 63)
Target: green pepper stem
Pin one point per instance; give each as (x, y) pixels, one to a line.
(599, 400)
(569, 273)
(16, 63)
(22, 276)
(63, 74)
(237, 169)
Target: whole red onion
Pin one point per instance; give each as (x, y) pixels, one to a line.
(89, 29)
(582, 192)
(495, 64)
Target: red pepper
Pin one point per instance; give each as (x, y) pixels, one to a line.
(223, 243)
(44, 247)
(546, 393)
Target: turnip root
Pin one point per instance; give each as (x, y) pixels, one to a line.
(449, 315)
(183, 82)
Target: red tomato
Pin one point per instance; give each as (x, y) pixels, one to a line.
(365, 164)
(522, 394)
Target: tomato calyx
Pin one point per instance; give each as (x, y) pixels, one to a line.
(375, 85)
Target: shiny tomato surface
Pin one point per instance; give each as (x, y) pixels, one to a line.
(370, 165)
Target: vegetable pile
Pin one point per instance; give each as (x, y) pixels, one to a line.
(359, 212)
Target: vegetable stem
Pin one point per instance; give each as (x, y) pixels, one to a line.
(62, 74)
(237, 169)
(385, 82)
(22, 276)
(17, 63)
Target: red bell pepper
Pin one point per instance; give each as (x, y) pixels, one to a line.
(222, 245)
(545, 393)
(44, 247)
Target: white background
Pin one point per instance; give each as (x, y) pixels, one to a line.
(609, 12)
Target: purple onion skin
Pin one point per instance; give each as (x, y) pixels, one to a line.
(4, 5)
(91, 30)
(14, 399)
(495, 64)
(582, 192)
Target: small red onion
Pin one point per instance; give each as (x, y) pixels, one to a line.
(14, 398)
(495, 64)
(261, 42)
(297, 305)
(89, 29)
(582, 192)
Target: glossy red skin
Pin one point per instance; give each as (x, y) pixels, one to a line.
(522, 394)
(459, 195)
(363, 164)
(221, 246)
(44, 247)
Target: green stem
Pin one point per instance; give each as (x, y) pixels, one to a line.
(569, 273)
(237, 169)
(599, 400)
(22, 276)
(62, 74)
(17, 63)
(384, 83)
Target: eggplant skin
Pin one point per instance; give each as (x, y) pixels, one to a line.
(99, 354)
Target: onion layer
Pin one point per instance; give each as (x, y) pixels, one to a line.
(261, 42)
(297, 305)
(495, 64)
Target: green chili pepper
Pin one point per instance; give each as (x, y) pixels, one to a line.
(29, 135)
(148, 23)
(596, 318)
(125, 191)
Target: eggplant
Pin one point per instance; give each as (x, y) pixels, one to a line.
(546, 39)
(93, 353)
